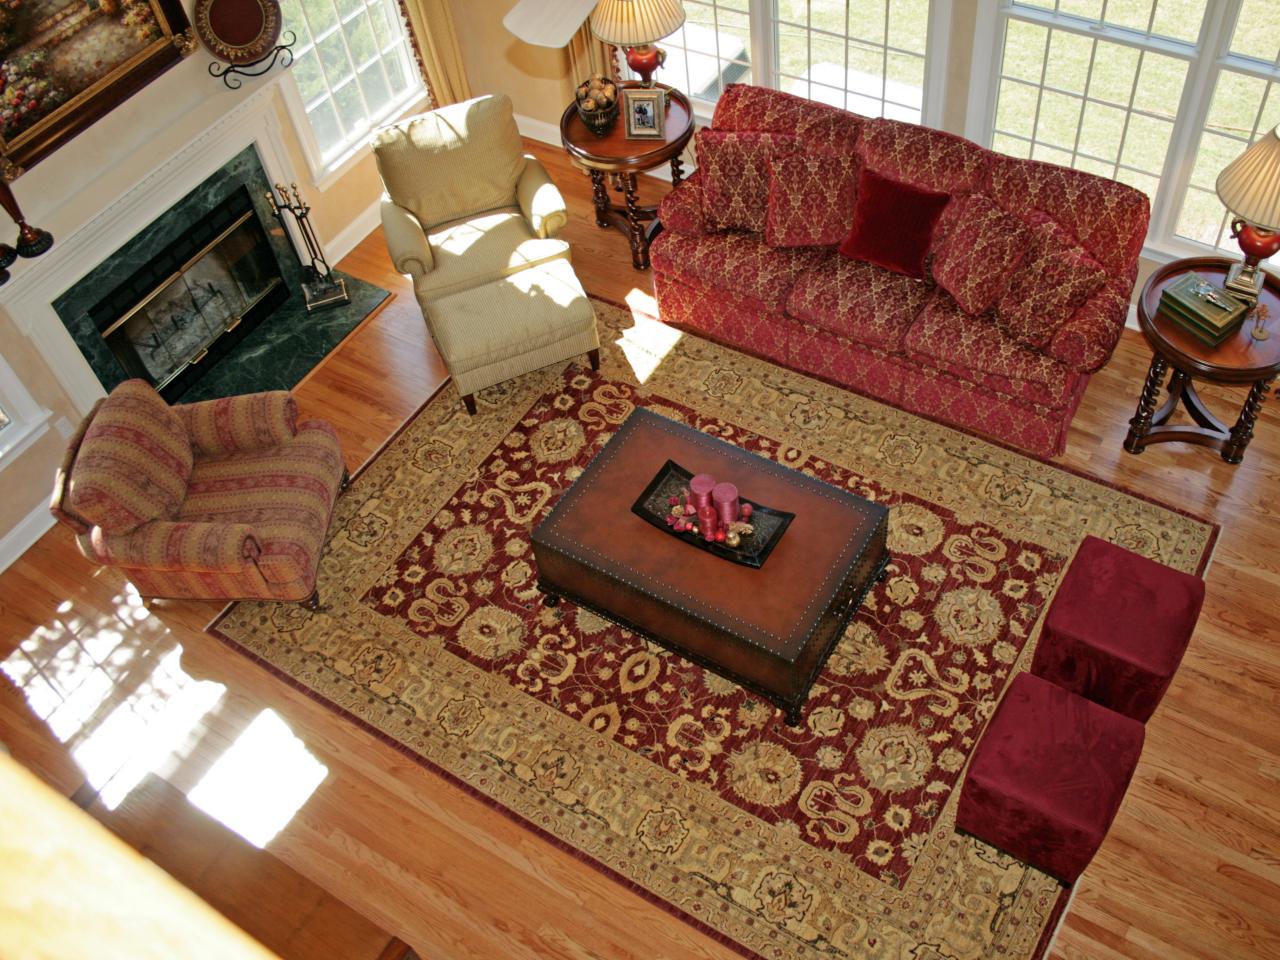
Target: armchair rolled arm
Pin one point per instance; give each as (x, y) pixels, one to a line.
(540, 200)
(255, 421)
(681, 210)
(176, 545)
(1087, 340)
(406, 240)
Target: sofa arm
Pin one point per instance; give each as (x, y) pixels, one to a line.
(1086, 341)
(681, 210)
(254, 421)
(406, 240)
(176, 546)
(540, 200)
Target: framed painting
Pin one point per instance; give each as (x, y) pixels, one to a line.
(67, 63)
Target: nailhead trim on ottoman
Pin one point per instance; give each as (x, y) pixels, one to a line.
(1117, 628)
(1048, 775)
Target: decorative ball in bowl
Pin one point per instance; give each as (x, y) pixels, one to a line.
(597, 99)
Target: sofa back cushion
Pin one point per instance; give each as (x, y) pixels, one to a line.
(1108, 218)
(1054, 281)
(924, 157)
(452, 162)
(817, 126)
(134, 461)
(811, 199)
(735, 175)
(983, 247)
(893, 223)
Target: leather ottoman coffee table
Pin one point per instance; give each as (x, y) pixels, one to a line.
(768, 629)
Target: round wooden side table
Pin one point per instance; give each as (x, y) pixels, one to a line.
(1239, 360)
(620, 159)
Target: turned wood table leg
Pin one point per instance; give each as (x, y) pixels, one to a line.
(1140, 424)
(1242, 432)
(639, 249)
(677, 171)
(600, 196)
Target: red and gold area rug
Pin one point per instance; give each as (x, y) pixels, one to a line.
(833, 840)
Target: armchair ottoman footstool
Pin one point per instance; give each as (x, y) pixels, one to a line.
(1048, 775)
(1117, 628)
(503, 329)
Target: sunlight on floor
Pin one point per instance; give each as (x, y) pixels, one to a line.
(648, 340)
(261, 781)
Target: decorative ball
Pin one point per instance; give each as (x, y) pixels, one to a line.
(673, 500)
(670, 521)
(693, 528)
(610, 91)
(731, 539)
(745, 511)
(721, 536)
(589, 104)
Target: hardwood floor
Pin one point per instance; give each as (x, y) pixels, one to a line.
(93, 689)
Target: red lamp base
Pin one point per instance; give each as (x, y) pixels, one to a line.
(644, 60)
(1244, 280)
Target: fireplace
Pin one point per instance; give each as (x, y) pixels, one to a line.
(188, 306)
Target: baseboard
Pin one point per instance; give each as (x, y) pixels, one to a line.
(350, 236)
(23, 536)
(538, 130)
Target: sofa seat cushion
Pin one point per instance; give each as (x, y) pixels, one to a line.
(974, 349)
(482, 248)
(1055, 280)
(133, 463)
(924, 157)
(893, 223)
(858, 301)
(981, 252)
(285, 494)
(740, 262)
(811, 199)
(735, 176)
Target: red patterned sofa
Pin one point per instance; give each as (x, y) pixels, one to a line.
(1013, 368)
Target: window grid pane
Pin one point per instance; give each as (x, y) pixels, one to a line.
(1085, 101)
(1171, 19)
(864, 57)
(352, 67)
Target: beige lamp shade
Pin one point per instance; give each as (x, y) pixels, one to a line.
(634, 23)
(1249, 186)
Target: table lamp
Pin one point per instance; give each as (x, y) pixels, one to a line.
(1249, 186)
(635, 25)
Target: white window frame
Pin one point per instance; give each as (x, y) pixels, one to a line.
(1206, 58)
(763, 46)
(28, 421)
(325, 174)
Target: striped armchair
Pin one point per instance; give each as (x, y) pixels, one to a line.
(222, 500)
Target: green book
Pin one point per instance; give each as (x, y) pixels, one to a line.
(1202, 331)
(1199, 298)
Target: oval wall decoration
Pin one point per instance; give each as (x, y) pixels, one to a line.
(238, 31)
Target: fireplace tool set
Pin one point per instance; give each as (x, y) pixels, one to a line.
(321, 288)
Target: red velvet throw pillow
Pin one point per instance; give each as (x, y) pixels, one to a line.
(735, 175)
(893, 224)
(981, 251)
(1054, 281)
(810, 199)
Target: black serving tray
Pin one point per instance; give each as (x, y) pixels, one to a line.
(754, 550)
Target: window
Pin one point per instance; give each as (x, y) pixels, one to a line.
(862, 55)
(21, 420)
(353, 68)
(1159, 94)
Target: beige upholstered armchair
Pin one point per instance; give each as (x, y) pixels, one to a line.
(226, 499)
(473, 220)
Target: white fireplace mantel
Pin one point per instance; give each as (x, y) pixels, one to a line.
(29, 296)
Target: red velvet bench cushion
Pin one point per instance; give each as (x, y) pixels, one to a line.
(1047, 777)
(1118, 628)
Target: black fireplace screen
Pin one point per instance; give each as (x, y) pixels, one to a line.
(194, 300)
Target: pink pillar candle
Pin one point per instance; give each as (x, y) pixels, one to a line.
(707, 522)
(700, 488)
(725, 496)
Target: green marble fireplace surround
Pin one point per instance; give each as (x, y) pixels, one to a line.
(278, 353)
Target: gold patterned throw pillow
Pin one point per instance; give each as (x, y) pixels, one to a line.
(981, 251)
(1054, 281)
(735, 176)
(811, 199)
